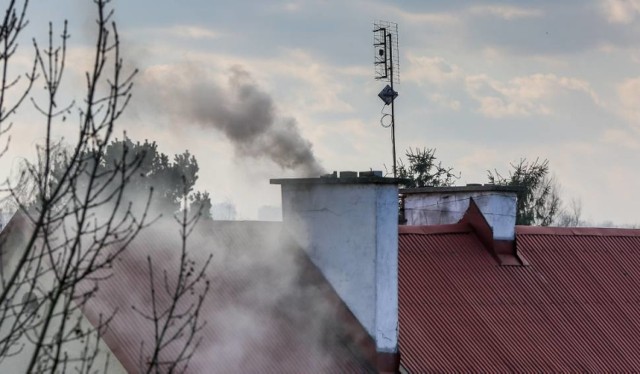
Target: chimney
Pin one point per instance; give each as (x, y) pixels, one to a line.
(349, 227)
(494, 205)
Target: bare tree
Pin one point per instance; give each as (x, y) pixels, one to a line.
(571, 216)
(13, 24)
(77, 219)
(176, 300)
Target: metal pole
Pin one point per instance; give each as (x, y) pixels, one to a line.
(393, 117)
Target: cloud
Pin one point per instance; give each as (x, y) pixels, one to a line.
(517, 97)
(629, 97)
(435, 70)
(304, 80)
(506, 12)
(193, 32)
(522, 96)
(322, 86)
(621, 138)
(442, 19)
(445, 101)
(292, 6)
(621, 11)
(395, 12)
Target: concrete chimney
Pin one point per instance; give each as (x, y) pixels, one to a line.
(349, 227)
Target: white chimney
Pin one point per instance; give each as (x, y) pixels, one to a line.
(349, 228)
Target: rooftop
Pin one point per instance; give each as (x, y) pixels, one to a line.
(460, 189)
(268, 309)
(346, 177)
(572, 309)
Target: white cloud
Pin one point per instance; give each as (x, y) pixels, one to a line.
(454, 17)
(320, 89)
(401, 16)
(445, 101)
(629, 97)
(193, 32)
(621, 11)
(442, 19)
(517, 97)
(302, 80)
(435, 70)
(291, 6)
(507, 12)
(176, 31)
(522, 96)
(621, 138)
(430, 71)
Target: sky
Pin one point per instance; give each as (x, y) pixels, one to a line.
(268, 89)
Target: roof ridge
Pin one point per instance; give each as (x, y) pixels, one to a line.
(577, 231)
(454, 228)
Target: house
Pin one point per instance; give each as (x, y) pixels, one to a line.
(340, 287)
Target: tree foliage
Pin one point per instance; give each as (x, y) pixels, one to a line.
(172, 181)
(422, 169)
(538, 200)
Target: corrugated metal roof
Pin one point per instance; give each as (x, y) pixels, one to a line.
(268, 311)
(574, 309)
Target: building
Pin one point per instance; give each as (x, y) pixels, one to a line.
(339, 286)
(541, 299)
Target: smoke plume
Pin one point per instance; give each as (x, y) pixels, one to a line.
(266, 311)
(242, 111)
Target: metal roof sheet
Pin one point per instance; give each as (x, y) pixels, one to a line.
(575, 308)
(268, 310)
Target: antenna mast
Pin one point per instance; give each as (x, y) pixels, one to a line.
(387, 67)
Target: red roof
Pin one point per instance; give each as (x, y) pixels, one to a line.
(269, 310)
(574, 308)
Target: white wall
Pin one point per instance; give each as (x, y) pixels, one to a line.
(438, 208)
(350, 232)
(386, 334)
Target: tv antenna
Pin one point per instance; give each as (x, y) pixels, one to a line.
(387, 68)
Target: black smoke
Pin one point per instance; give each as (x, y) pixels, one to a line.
(241, 110)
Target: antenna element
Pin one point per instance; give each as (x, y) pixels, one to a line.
(387, 68)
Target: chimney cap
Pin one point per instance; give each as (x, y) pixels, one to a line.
(467, 188)
(343, 179)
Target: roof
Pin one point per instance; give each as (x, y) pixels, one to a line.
(335, 180)
(573, 308)
(268, 310)
(461, 189)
